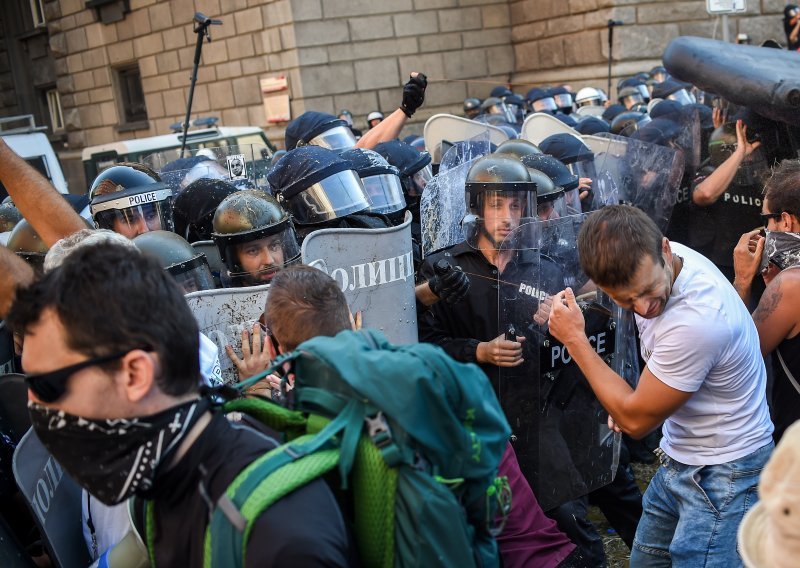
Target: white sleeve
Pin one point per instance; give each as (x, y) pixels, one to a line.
(686, 351)
(210, 368)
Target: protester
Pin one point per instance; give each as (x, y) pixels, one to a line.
(704, 379)
(776, 317)
(727, 200)
(305, 303)
(134, 363)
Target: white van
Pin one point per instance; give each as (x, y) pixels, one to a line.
(97, 158)
(30, 143)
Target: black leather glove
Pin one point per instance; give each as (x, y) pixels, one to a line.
(414, 94)
(449, 284)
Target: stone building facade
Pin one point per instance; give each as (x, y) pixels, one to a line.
(336, 54)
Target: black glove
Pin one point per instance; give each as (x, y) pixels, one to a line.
(414, 94)
(449, 284)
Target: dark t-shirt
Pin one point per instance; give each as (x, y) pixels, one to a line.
(785, 403)
(304, 528)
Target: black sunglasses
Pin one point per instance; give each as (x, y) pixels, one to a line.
(49, 387)
(765, 217)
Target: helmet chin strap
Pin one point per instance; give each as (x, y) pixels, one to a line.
(489, 237)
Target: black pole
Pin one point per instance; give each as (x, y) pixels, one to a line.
(201, 29)
(610, 47)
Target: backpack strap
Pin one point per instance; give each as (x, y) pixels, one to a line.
(272, 476)
(293, 423)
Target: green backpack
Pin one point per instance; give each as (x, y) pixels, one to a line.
(415, 436)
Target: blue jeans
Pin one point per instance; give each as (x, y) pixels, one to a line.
(692, 513)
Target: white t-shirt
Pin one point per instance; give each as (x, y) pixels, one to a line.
(705, 342)
(209, 362)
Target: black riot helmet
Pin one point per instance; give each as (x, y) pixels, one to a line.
(499, 193)
(630, 97)
(572, 152)
(188, 266)
(518, 148)
(540, 100)
(638, 84)
(193, 208)
(472, 107)
(625, 123)
(414, 166)
(131, 199)
(9, 216)
(316, 186)
(381, 182)
(565, 182)
(495, 106)
(314, 128)
(659, 73)
(722, 144)
(27, 244)
(255, 237)
(673, 90)
(563, 99)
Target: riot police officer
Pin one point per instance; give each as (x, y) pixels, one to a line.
(131, 199)
(727, 196)
(321, 190)
(255, 237)
(188, 266)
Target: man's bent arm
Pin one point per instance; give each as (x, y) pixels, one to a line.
(637, 412)
(13, 272)
(388, 129)
(51, 215)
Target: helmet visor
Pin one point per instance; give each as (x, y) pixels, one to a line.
(680, 96)
(337, 138)
(193, 275)
(554, 208)
(632, 100)
(135, 220)
(593, 101)
(256, 262)
(545, 104)
(563, 100)
(495, 214)
(335, 196)
(385, 193)
(421, 178)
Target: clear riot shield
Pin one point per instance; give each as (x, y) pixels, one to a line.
(644, 175)
(245, 166)
(443, 203)
(375, 270)
(559, 429)
(689, 140)
(223, 314)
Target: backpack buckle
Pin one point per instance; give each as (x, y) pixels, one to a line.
(378, 430)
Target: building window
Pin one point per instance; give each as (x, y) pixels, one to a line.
(37, 11)
(54, 107)
(131, 95)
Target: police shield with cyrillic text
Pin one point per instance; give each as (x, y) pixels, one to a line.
(559, 429)
(375, 270)
(223, 315)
